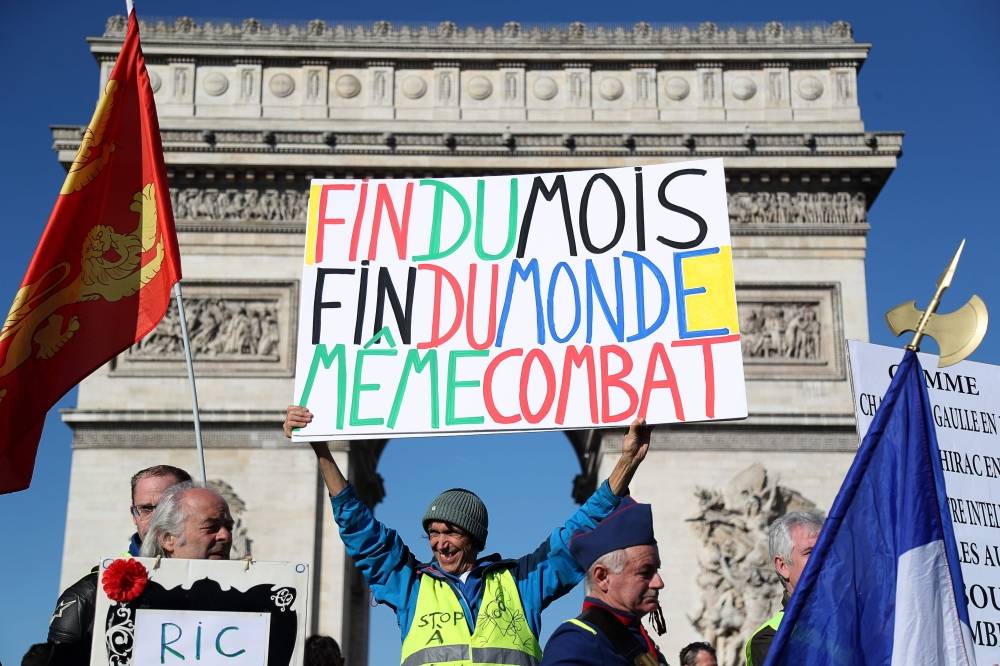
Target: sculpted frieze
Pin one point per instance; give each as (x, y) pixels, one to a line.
(809, 208)
(510, 34)
(785, 331)
(217, 327)
(739, 589)
(239, 204)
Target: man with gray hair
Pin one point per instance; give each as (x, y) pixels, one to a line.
(72, 622)
(622, 586)
(790, 540)
(191, 521)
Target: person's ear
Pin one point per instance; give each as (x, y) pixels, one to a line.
(782, 568)
(168, 542)
(600, 577)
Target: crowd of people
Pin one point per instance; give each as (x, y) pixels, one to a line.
(461, 606)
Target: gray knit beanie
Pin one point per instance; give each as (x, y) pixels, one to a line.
(461, 508)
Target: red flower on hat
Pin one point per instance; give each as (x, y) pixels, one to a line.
(124, 580)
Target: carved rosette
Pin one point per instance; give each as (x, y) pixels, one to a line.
(739, 589)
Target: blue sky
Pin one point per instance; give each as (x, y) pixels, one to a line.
(931, 73)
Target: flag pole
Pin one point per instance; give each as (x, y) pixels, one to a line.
(194, 389)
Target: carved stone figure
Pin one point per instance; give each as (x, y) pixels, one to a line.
(239, 205)
(808, 208)
(780, 331)
(739, 587)
(219, 328)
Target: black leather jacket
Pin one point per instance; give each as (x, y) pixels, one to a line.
(72, 623)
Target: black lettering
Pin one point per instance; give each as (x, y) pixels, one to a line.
(953, 384)
(359, 322)
(319, 304)
(640, 213)
(403, 315)
(538, 186)
(699, 220)
(970, 384)
(585, 204)
(436, 637)
(985, 633)
(969, 553)
(935, 382)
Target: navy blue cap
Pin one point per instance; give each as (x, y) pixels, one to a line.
(631, 524)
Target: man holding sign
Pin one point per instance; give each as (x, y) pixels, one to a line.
(460, 606)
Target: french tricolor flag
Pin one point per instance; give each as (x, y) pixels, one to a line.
(883, 584)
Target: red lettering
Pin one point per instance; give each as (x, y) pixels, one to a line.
(550, 389)
(436, 338)
(574, 358)
(609, 380)
(400, 229)
(706, 353)
(323, 220)
(470, 303)
(356, 232)
(491, 407)
(659, 354)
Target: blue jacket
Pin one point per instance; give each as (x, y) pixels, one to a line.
(393, 573)
(572, 645)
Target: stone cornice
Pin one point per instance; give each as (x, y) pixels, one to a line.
(510, 35)
(446, 144)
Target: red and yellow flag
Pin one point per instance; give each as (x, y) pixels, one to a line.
(101, 276)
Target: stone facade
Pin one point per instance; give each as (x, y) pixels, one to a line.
(250, 113)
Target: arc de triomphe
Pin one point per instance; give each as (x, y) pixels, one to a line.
(251, 112)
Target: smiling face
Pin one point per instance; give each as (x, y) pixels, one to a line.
(148, 491)
(637, 587)
(207, 530)
(453, 549)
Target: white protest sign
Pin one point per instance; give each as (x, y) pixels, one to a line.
(203, 612)
(965, 405)
(549, 301)
(206, 638)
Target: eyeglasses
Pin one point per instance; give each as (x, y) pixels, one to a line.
(143, 510)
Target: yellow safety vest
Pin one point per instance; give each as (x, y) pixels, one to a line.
(439, 633)
(773, 622)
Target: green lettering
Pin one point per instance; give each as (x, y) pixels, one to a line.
(415, 363)
(218, 644)
(165, 644)
(511, 221)
(434, 250)
(454, 384)
(359, 387)
(323, 355)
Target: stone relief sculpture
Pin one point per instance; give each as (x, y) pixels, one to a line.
(312, 85)
(798, 208)
(739, 587)
(246, 85)
(180, 83)
(218, 328)
(708, 86)
(785, 331)
(239, 205)
(775, 32)
(510, 86)
(444, 86)
(242, 543)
